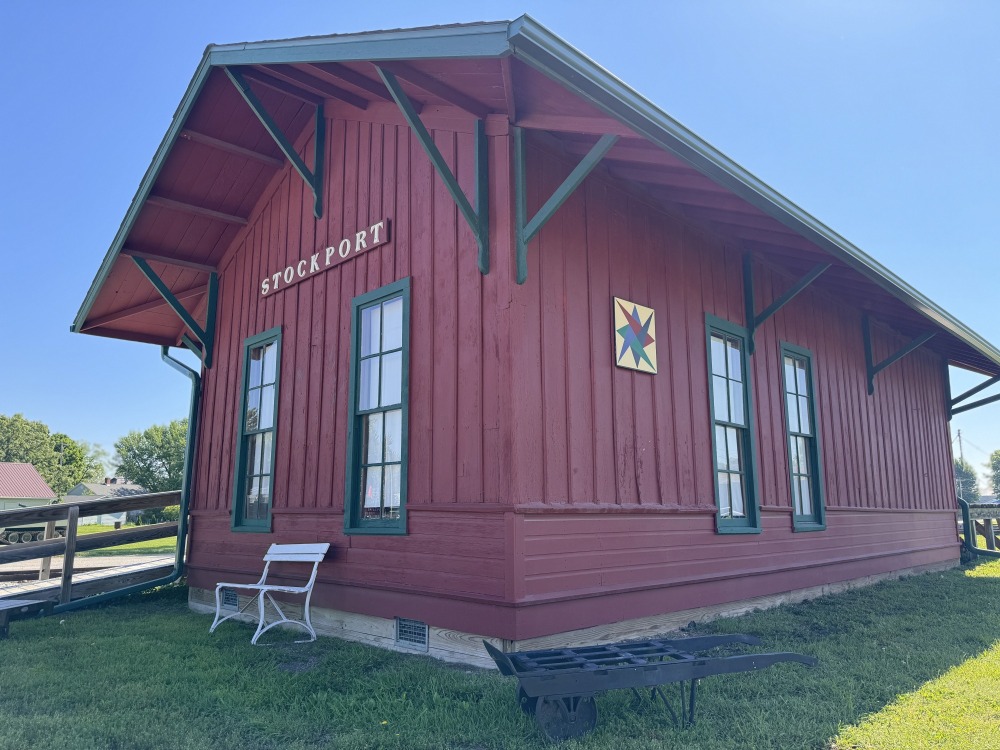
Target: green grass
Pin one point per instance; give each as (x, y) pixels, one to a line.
(908, 664)
(166, 546)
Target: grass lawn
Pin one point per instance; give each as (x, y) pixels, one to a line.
(904, 665)
(165, 546)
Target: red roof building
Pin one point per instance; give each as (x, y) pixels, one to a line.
(23, 482)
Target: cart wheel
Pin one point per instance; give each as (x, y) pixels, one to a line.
(566, 718)
(526, 702)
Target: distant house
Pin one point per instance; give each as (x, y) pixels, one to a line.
(110, 487)
(21, 486)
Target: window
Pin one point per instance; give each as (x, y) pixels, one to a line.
(376, 470)
(803, 441)
(732, 429)
(258, 415)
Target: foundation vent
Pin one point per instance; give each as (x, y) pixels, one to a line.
(411, 633)
(229, 599)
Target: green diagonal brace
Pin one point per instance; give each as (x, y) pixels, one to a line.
(205, 336)
(754, 320)
(314, 179)
(525, 229)
(479, 218)
(874, 369)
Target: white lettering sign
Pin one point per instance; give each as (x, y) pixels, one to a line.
(335, 254)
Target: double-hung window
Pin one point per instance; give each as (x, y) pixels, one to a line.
(732, 428)
(803, 439)
(254, 480)
(377, 432)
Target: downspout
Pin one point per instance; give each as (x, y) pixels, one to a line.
(182, 521)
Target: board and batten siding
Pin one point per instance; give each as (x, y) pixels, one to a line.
(619, 490)
(547, 487)
(458, 385)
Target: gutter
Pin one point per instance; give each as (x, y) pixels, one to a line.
(182, 522)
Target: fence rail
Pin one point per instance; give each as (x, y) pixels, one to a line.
(70, 512)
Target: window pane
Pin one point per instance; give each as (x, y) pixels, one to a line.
(265, 493)
(392, 324)
(720, 398)
(371, 330)
(793, 455)
(268, 438)
(792, 405)
(721, 451)
(803, 446)
(725, 506)
(254, 444)
(253, 410)
(789, 375)
(806, 497)
(266, 408)
(804, 416)
(373, 487)
(735, 359)
(736, 495)
(737, 415)
(373, 439)
(392, 379)
(718, 355)
(255, 367)
(800, 376)
(796, 497)
(392, 489)
(733, 449)
(368, 384)
(270, 363)
(394, 435)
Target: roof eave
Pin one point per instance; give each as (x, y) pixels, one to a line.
(145, 186)
(473, 40)
(538, 47)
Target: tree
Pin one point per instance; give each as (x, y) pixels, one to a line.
(966, 481)
(994, 467)
(62, 461)
(154, 458)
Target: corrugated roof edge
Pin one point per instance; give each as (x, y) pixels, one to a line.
(541, 49)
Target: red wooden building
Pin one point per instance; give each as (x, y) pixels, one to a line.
(411, 263)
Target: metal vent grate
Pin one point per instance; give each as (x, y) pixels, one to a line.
(411, 633)
(229, 599)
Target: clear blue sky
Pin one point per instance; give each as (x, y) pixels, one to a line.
(879, 118)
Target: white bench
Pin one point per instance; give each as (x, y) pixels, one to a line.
(304, 553)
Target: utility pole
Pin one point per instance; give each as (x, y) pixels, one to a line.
(961, 457)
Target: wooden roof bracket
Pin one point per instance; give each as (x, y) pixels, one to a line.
(478, 219)
(874, 369)
(314, 178)
(753, 320)
(953, 407)
(525, 230)
(206, 335)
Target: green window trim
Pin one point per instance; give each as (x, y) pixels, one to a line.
(802, 446)
(734, 455)
(256, 435)
(376, 472)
